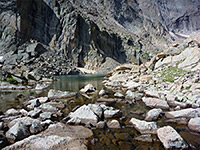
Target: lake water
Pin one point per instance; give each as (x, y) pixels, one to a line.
(104, 139)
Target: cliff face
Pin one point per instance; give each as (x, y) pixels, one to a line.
(88, 31)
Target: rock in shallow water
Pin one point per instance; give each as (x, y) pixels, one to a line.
(144, 127)
(194, 124)
(170, 138)
(155, 103)
(153, 114)
(53, 94)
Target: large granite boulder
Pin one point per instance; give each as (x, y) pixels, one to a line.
(170, 138)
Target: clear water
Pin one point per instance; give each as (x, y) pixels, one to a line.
(104, 139)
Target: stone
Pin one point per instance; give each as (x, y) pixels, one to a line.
(17, 132)
(74, 121)
(49, 108)
(152, 94)
(194, 124)
(34, 113)
(131, 85)
(46, 115)
(130, 95)
(26, 120)
(145, 78)
(1, 125)
(41, 87)
(175, 104)
(85, 114)
(23, 112)
(97, 109)
(118, 95)
(88, 89)
(34, 103)
(12, 112)
(153, 114)
(170, 138)
(184, 113)
(36, 127)
(102, 93)
(56, 136)
(112, 113)
(113, 124)
(144, 127)
(100, 125)
(56, 94)
(155, 103)
(46, 122)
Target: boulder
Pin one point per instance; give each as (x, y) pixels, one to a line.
(170, 138)
(85, 114)
(41, 87)
(151, 93)
(88, 89)
(12, 112)
(118, 95)
(36, 127)
(57, 136)
(113, 124)
(26, 121)
(194, 124)
(97, 109)
(100, 125)
(56, 94)
(102, 93)
(153, 114)
(155, 103)
(175, 104)
(144, 127)
(46, 115)
(130, 95)
(17, 132)
(49, 108)
(109, 113)
(184, 113)
(34, 113)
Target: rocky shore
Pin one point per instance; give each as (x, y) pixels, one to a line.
(170, 90)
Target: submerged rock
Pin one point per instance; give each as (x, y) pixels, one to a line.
(170, 138)
(144, 127)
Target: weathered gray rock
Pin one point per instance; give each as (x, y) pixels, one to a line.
(130, 95)
(49, 108)
(36, 127)
(152, 94)
(57, 136)
(34, 113)
(26, 120)
(34, 103)
(46, 115)
(155, 103)
(175, 103)
(41, 87)
(102, 93)
(184, 113)
(97, 109)
(74, 121)
(23, 112)
(56, 94)
(1, 125)
(100, 125)
(88, 89)
(17, 132)
(153, 114)
(114, 124)
(145, 138)
(119, 95)
(12, 112)
(85, 114)
(170, 138)
(109, 113)
(144, 127)
(194, 124)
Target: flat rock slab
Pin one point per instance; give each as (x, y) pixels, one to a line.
(53, 94)
(184, 113)
(170, 138)
(153, 114)
(57, 136)
(155, 103)
(144, 127)
(194, 124)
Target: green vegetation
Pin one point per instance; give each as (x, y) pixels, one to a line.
(12, 81)
(169, 74)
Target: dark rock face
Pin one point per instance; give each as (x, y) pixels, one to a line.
(84, 33)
